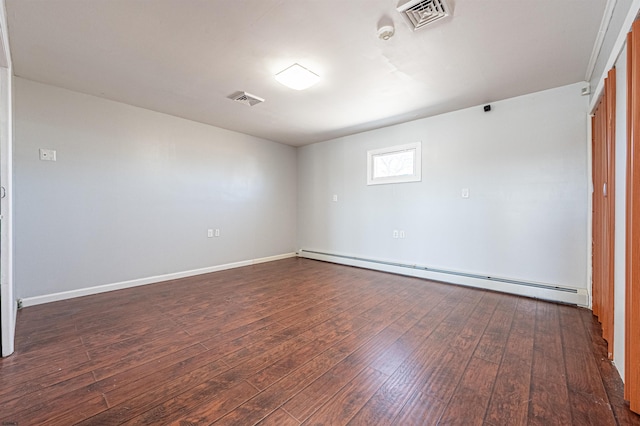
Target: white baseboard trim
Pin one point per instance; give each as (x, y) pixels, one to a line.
(578, 296)
(54, 297)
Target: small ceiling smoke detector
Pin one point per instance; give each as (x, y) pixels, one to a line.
(246, 98)
(385, 32)
(420, 13)
(297, 77)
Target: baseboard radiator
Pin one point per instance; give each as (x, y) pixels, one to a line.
(533, 289)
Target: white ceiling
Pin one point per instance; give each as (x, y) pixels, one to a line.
(184, 57)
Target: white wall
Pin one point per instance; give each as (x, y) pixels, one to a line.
(525, 163)
(133, 192)
(620, 212)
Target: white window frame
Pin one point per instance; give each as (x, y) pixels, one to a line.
(417, 164)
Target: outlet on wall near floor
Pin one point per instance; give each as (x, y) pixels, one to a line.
(209, 233)
(395, 233)
(217, 233)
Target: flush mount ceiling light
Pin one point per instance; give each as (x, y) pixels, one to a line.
(297, 77)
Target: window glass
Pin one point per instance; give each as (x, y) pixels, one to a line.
(395, 164)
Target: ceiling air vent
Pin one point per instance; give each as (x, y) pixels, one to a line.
(246, 98)
(420, 13)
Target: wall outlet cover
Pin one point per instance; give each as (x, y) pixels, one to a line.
(47, 154)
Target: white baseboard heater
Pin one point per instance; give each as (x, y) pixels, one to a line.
(526, 288)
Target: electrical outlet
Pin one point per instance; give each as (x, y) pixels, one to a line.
(209, 233)
(335, 197)
(395, 233)
(217, 233)
(465, 192)
(402, 234)
(47, 154)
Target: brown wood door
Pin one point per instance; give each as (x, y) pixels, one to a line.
(632, 291)
(603, 137)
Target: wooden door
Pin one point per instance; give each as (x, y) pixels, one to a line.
(603, 143)
(632, 284)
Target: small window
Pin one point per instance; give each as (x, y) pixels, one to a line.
(396, 164)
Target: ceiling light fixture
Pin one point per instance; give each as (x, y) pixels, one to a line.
(297, 77)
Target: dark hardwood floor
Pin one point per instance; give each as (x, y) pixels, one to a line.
(304, 342)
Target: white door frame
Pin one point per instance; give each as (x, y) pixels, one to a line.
(8, 306)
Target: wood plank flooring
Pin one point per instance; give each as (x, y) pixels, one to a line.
(304, 342)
